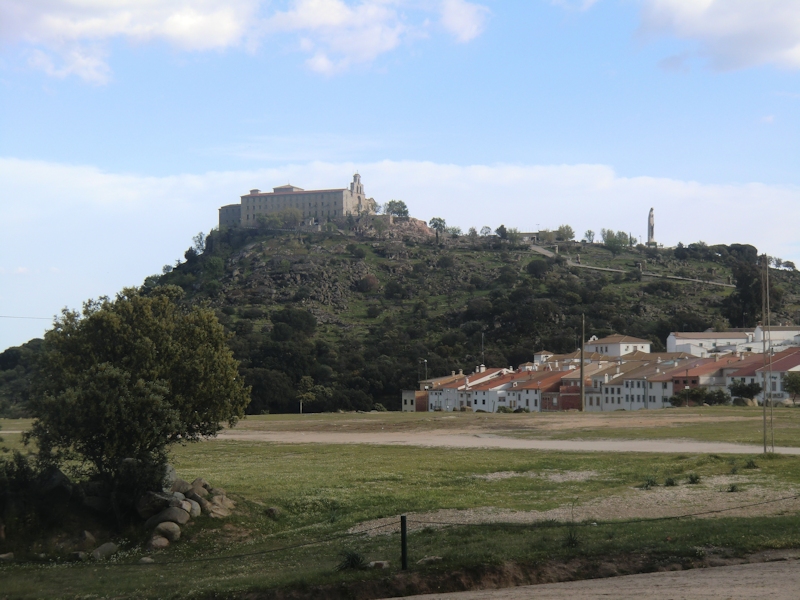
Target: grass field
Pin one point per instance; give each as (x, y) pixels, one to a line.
(323, 491)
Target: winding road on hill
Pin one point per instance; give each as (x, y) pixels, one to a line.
(484, 440)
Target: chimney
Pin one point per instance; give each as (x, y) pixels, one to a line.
(617, 369)
(461, 371)
(716, 356)
(452, 373)
(483, 368)
(658, 360)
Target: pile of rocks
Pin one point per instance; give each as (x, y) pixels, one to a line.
(165, 512)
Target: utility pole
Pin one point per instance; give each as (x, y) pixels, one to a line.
(764, 350)
(483, 355)
(769, 372)
(583, 382)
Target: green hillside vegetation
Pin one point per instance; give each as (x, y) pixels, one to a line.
(343, 319)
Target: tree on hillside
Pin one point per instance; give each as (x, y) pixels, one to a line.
(502, 232)
(199, 242)
(128, 377)
(614, 241)
(565, 233)
(486, 230)
(396, 208)
(438, 225)
(513, 235)
(589, 235)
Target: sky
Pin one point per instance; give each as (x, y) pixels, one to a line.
(126, 124)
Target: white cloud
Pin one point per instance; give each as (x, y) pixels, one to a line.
(103, 231)
(70, 37)
(339, 34)
(732, 34)
(465, 20)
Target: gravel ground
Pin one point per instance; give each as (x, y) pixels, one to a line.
(761, 581)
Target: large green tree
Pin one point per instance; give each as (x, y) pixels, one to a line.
(127, 377)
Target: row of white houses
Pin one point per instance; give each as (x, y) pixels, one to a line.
(623, 379)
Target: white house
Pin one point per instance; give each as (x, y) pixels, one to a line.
(451, 395)
(777, 337)
(701, 344)
(616, 345)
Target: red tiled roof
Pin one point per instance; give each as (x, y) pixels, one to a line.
(783, 364)
(713, 335)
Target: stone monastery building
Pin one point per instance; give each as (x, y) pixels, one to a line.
(316, 205)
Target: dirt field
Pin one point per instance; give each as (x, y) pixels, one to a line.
(764, 581)
(448, 439)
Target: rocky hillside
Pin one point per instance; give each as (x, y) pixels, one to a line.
(344, 319)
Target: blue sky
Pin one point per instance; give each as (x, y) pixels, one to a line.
(124, 125)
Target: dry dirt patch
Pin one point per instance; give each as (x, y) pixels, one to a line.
(710, 495)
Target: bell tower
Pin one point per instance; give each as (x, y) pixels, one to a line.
(356, 187)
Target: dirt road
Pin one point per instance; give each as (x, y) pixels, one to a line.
(450, 440)
(761, 581)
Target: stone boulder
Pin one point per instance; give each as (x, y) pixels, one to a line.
(197, 490)
(194, 510)
(172, 514)
(185, 505)
(178, 495)
(158, 542)
(200, 482)
(7, 557)
(146, 560)
(153, 503)
(201, 500)
(218, 512)
(378, 564)
(223, 501)
(86, 539)
(106, 550)
(169, 530)
(179, 485)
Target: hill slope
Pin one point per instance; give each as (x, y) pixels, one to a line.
(343, 320)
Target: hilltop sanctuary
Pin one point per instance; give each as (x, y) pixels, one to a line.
(316, 205)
